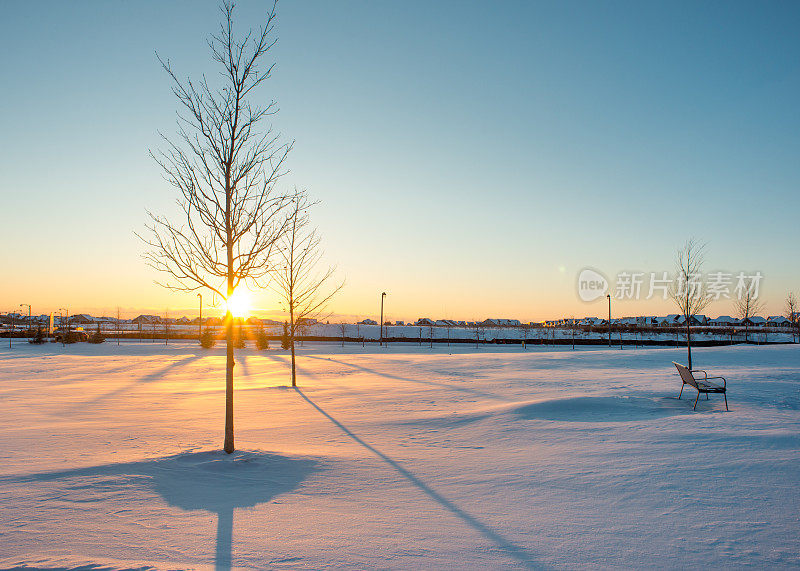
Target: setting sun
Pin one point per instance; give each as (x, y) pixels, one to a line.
(239, 303)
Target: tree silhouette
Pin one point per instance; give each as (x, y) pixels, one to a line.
(225, 163)
(686, 291)
(304, 288)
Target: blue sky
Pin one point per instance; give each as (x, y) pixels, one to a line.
(471, 158)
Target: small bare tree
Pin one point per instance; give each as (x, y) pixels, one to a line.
(792, 313)
(304, 289)
(686, 290)
(746, 307)
(224, 164)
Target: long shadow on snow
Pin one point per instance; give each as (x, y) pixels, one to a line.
(149, 378)
(407, 380)
(518, 553)
(211, 481)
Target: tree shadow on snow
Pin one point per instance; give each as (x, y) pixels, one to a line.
(520, 554)
(210, 481)
(407, 380)
(156, 375)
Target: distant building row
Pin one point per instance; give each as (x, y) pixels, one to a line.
(674, 320)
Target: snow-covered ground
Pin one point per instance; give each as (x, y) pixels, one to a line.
(400, 458)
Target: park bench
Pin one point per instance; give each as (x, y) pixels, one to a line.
(702, 385)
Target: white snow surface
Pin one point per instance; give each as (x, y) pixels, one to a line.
(397, 458)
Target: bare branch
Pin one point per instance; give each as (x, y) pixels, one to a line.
(225, 167)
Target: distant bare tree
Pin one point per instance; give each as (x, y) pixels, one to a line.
(686, 290)
(304, 289)
(791, 309)
(343, 329)
(746, 307)
(224, 164)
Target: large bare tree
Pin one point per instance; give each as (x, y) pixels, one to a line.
(224, 162)
(305, 289)
(686, 290)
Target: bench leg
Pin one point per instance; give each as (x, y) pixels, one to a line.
(706, 396)
(680, 393)
(726, 401)
(695, 400)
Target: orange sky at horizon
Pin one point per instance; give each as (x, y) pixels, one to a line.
(410, 300)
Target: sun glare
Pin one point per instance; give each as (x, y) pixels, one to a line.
(239, 303)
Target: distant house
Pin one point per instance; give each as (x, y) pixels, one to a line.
(399, 323)
(755, 321)
(424, 321)
(501, 323)
(724, 321)
(668, 320)
(696, 320)
(368, 322)
(146, 319)
(81, 318)
(306, 321)
(778, 321)
(271, 322)
(183, 321)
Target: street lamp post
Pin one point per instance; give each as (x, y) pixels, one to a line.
(29, 316)
(200, 325)
(609, 319)
(383, 295)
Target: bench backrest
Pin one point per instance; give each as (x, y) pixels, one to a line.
(685, 374)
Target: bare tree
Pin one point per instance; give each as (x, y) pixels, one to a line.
(304, 289)
(791, 309)
(224, 162)
(686, 290)
(746, 307)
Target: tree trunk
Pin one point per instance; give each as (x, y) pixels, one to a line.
(229, 363)
(291, 341)
(294, 374)
(689, 343)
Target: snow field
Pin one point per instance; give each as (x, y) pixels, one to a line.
(397, 458)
